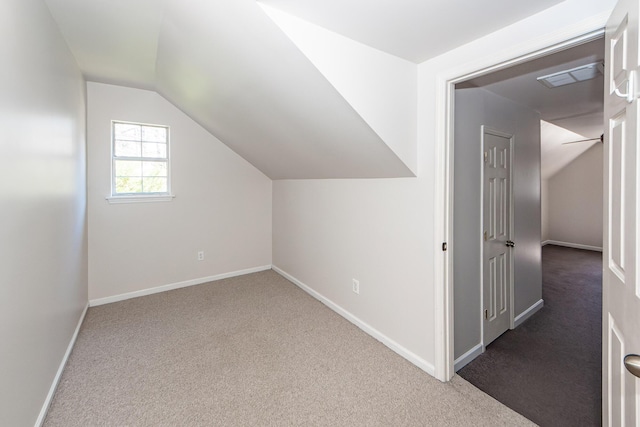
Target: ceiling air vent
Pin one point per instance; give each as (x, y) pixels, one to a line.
(574, 75)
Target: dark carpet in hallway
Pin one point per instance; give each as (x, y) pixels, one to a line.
(549, 368)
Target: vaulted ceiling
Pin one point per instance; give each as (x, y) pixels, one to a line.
(332, 95)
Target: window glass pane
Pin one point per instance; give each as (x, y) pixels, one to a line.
(128, 168)
(155, 185)
(154, 134)
(154, 169)
(154, 149)
(127, 131)
(129, 185)
(127, 149)
(146, 150)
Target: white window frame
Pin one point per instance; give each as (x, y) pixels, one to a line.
(139, 197)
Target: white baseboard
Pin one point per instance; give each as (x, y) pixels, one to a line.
(461, 361)
(391, 344)
(63, 363)
(520, 318)
(572, 245)
(171, 286)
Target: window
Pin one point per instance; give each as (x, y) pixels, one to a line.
(140, 160)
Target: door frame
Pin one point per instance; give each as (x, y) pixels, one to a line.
(587, 31)
(484, 129)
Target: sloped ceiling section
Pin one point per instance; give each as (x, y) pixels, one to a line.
(113, 41)
(381, 87)
(228, 65)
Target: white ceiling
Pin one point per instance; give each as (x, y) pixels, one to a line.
(577, 107)
(112, 41)
(228, 66)
(569, 113)
(415, 30)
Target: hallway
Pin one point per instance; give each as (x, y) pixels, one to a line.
(549, 368)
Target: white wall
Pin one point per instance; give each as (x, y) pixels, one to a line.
(473, 108)
(222, 204)
(383, 232)
(325, 233)
(575, 197)
(43, 253)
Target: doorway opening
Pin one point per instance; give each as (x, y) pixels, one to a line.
(443, 220)
(541, 120)
(544, 125)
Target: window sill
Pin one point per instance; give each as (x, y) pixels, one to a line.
(140, 199)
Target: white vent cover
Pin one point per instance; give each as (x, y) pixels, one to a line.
(575, 75)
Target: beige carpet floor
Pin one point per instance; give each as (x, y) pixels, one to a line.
(250, 351)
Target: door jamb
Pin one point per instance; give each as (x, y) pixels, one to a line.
(443, 223)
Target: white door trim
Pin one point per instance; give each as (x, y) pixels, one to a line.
(443, 221)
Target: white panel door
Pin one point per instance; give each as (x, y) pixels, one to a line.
(496, 243)
(621, 289)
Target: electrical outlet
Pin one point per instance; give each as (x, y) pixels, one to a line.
(356, 286)
(200, 255)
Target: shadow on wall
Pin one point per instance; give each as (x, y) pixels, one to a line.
(476, 107)
(572, 202)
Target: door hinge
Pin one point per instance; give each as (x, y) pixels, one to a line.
(444, 246)
(485, 236)
(486, 314)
